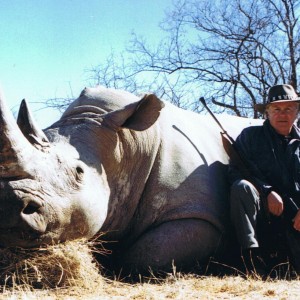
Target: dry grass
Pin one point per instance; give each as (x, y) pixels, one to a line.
(55, 267)
(68, 271)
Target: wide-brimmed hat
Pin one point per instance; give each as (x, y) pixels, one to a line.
(279, 93)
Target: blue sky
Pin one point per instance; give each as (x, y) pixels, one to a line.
(47, 45)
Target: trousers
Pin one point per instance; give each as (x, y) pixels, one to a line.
(247, 212)
(245, 209)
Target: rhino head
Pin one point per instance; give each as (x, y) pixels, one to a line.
(66, 182)
(42, 185)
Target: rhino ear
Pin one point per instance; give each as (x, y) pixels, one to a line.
(137, 116)
(28, 127)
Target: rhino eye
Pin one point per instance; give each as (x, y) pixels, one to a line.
(79, 170)
(79, 173)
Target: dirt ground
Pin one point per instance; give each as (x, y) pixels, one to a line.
(180, 287)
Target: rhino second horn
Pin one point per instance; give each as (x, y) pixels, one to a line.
(28, 127)
(15, 150)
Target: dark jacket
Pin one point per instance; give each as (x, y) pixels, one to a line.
(273, 160)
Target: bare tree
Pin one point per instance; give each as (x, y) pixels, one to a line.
(231, 52)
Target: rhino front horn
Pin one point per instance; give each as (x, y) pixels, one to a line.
(28, 127)
(15, 149)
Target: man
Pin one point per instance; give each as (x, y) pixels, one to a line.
(272, 155)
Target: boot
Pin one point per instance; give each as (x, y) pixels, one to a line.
(293, 242)
(254, 263)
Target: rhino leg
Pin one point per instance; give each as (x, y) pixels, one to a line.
(184, 243)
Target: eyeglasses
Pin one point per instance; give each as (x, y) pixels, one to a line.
(286, 111)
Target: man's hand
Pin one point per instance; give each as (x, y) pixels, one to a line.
(275, 204)
(296, 221)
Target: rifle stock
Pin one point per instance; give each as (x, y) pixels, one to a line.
(291, 208)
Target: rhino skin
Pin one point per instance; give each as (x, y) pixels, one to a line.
(149, 175)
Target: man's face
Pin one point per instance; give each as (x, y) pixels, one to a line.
(282, 116)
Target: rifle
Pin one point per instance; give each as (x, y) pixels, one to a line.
(229, 145)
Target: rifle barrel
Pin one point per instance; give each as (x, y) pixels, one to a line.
(202, 100)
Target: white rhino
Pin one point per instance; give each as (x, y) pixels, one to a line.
(148, 174)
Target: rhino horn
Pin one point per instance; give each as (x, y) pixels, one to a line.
(29, 129)
(15, 150)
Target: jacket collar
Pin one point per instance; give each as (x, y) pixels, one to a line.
(295, 132)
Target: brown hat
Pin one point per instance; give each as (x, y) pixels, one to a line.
(279, 93)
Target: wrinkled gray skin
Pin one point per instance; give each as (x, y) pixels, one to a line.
(150, 175)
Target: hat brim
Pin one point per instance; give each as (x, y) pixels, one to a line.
(262, 107)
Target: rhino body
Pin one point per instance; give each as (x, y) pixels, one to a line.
(149, 175)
